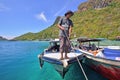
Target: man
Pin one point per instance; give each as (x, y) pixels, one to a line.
(65, 25)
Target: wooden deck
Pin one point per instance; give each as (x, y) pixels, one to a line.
(58, 55)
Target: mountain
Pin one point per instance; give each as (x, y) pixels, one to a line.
(56, 21)
(94, 19)
(2, 38)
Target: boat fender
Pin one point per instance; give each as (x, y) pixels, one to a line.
(41, 61)
(65, 63)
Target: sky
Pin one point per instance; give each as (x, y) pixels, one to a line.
(18, 17)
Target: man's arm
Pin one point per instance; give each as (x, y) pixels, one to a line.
(59, 24)
(60, 27)
(70, 31)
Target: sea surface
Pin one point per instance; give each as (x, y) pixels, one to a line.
(19, 61)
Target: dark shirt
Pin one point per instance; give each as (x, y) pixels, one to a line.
(66, 23)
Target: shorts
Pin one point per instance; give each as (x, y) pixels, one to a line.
(64, 45)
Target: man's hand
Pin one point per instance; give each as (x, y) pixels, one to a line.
(62, 28)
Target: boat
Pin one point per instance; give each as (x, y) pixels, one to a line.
(52, 56)
(105, 62)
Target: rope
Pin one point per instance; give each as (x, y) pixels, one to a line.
(77, 59)
(81, 67)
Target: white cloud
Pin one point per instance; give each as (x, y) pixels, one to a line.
(3, 8)
(41, 16)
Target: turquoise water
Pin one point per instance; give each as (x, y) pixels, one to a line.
(18, 61)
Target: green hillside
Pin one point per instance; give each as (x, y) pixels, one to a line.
(91, 22)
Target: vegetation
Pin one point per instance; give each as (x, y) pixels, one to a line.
(94, 4)
(93, 23)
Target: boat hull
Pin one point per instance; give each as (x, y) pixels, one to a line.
(61, 70)
(73, 70)
(108, 68)
(59, 65)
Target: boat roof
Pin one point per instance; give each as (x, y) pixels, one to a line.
(88, 40)
(55, 41)
(79, 40)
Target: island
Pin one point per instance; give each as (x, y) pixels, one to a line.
(93, 19)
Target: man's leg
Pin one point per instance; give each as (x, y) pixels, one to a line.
(66, 57)
(66, 48)
(61, 56)
(61, 47)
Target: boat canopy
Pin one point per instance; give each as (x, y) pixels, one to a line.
(88, 40)
(55, 41)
